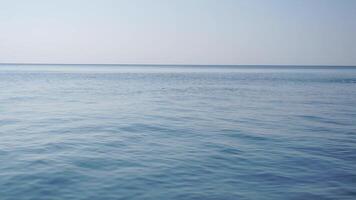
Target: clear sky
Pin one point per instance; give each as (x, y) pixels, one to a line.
(298, 32)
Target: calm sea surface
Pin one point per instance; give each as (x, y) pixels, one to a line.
(116, 132)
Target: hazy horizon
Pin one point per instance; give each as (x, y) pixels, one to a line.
(172, 64)
(201, 32)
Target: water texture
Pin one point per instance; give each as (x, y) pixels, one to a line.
(114, 132)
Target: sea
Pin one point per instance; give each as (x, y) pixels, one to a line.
(144, 132)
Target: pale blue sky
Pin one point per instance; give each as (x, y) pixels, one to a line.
(179, 31)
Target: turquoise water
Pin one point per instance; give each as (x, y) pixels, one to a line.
(141, 132)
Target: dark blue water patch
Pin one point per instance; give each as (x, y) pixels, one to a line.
(248, 136)
(7, 122)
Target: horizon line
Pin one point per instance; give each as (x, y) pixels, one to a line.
(149, 64)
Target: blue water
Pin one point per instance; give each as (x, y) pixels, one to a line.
(116, 132)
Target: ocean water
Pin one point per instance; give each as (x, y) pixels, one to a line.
(170, 132)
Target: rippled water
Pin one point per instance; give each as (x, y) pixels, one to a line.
(114, 132)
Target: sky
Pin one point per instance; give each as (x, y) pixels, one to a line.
(226, 32)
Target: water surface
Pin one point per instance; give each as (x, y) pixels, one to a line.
(148, 132)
